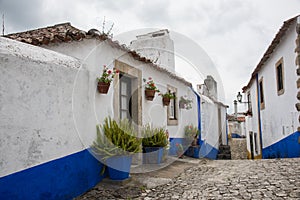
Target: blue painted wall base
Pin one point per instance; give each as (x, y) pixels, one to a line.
(208, 151)
(63, 178)
(288, 147)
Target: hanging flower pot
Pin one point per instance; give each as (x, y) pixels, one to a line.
(181, 105)
(166, 101)
(166, 97)
(149, 94)
(105, 79)
(103, 87)
(150, 89)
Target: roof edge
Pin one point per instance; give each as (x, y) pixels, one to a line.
(275, 42)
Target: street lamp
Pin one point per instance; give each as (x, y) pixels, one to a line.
(239, 98)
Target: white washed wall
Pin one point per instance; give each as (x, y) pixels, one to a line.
(95, 54)
(279, 118)
(36, 123)
(209, 122)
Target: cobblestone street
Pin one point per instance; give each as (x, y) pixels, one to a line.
(215, 179)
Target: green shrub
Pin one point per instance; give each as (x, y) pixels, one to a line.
(191, 131)
(154, 137)
(115, 139)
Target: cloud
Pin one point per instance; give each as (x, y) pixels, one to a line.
(22, 15)
(234, 33)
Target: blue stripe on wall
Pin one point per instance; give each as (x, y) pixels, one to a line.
(173, 148)
(288, 147)
(63, 178)
(208, 151)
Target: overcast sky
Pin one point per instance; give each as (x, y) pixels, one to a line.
(234, 33)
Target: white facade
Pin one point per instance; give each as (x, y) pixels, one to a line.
(276, 118)
(50, 107)
(36, 106)
(96, 54)
(157, 46)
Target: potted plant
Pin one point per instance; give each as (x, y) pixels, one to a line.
(191, 135)
(154, 141)
(179, 150)
(114, 146)
(166, 97)
(185, 103)
(105, 79)
(150, 89)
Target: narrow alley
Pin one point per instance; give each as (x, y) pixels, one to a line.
(211, 179)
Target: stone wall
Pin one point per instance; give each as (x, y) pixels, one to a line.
(238, 148)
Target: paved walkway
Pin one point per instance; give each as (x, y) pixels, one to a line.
(209, 179)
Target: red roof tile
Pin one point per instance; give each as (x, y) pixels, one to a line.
(65, 32)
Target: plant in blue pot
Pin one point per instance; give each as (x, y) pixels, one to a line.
(155, 141)
(114, 146)
(191, 138)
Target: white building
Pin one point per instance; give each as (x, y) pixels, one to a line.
(50, 107)
(272, 123)
(212, 119)
(156, 46)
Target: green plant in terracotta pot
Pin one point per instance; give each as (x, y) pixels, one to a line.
(166, 97)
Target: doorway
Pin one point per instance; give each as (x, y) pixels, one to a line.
(251, 144)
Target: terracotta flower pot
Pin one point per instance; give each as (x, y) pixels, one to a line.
(181, 105)
(103, 87)
(149, 94)
(166, 101)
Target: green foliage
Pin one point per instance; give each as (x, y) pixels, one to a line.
(185, 103)
(168, 95)
(191, 131)
(150, 85)
(154, 137)
(107, 75)
(115, 139)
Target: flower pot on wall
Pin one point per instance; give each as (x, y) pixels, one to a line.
(149, 94)
(103, 87)
(166, 101)
(181, 105)
(119, 167)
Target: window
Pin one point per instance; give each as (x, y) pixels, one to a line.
(279, 77)
(249, 103)
(255, 143)
(261, 94)
(125, 97)
(172, 110)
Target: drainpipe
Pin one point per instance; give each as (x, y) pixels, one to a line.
(297, 50)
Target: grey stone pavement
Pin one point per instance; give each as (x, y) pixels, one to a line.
(208, 179)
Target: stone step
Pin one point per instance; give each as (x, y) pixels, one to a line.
(224, 147)
(223, 156)
(225, 152)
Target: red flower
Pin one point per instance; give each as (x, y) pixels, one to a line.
(109, 71)
(117, 71)
(150, 78)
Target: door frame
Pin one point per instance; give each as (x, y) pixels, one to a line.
(136, 91)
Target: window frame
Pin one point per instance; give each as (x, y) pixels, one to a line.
(249, 103)
(280, 91)
(172, 120)
(261, 93)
